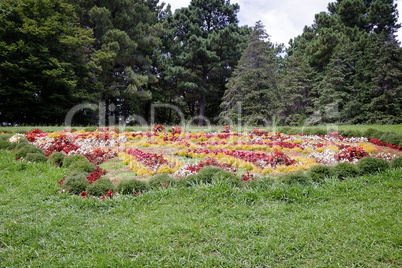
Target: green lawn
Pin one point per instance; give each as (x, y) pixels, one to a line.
(356, 223)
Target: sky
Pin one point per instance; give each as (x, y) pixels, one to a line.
(283, 20)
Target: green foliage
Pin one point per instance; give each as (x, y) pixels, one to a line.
(35, 157)
(262, 183)
(203, 53)
(371, 165)
(132, 186)
(187, 181)
(345, 170)
(6, 145)
(396, 162)
(68, 160)
(254, 83)
(294, 177)
(43, 45)
(157, 181)
(75, 182)
(319, 173)
(56, 158)
(100, 187)
(82, 165)
(24, 150)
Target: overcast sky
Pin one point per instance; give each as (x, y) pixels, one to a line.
(283, 19)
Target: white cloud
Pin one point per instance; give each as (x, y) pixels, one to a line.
(283, 19)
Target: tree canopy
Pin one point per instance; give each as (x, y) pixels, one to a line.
(132, 54)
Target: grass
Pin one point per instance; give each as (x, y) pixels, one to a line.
(353, 223)
(384, 128)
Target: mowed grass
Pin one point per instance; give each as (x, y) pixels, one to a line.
(384, 128)
(356, 223)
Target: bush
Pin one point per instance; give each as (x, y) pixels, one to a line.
(390, 137)
(90, 129)
(396, 162)
(370, 165)
(320, 131)
(82, 165)
(75, 182)
(187, 181)
(130, 186)
(319, 172)
(100, 187)
(156, 181)
(5, 136)
(68, 160)
(294, 177)
(35, 157)
(26, 149)
(229, 178)
(261, 183)
(56, 158)
(207, 174)
(351, 133)
(345, 170)
(372, 133)
(5, 145)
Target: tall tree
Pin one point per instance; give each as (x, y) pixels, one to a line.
(44, 62)
(343, 48)
(296, 84)
(206, 45)
(127, 44)
(254, 83)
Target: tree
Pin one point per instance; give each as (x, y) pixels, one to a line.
(353, 51)
(45, 61)
(254, 83)
(296, 84)
(127, 46)
(206, 45)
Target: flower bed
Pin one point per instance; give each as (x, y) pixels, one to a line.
(184, 153)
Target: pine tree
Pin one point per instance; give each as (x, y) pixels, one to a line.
(206, 46)
(296, 84)
(254, 83)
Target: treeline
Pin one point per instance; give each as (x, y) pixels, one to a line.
(130, 55)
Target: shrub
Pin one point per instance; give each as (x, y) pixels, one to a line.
(100, 187)
(228, 177)
(345, 170)
(75, 182)
(372, 133)
(396, 162)
(5, 136)
(159, 180)
(35, 157)
(390, 137)
(261, 183)
(26, 149)
(320, 131)
(4, 144)
(132, 186)
(319, 172)
(207, 174)
(294, 177)
(352, 133)
(90, 129)
(82, 165)
(369, 165)
(56, 158)
(68, 160)
(187, 181)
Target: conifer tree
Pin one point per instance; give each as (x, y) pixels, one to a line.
(254, 83)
